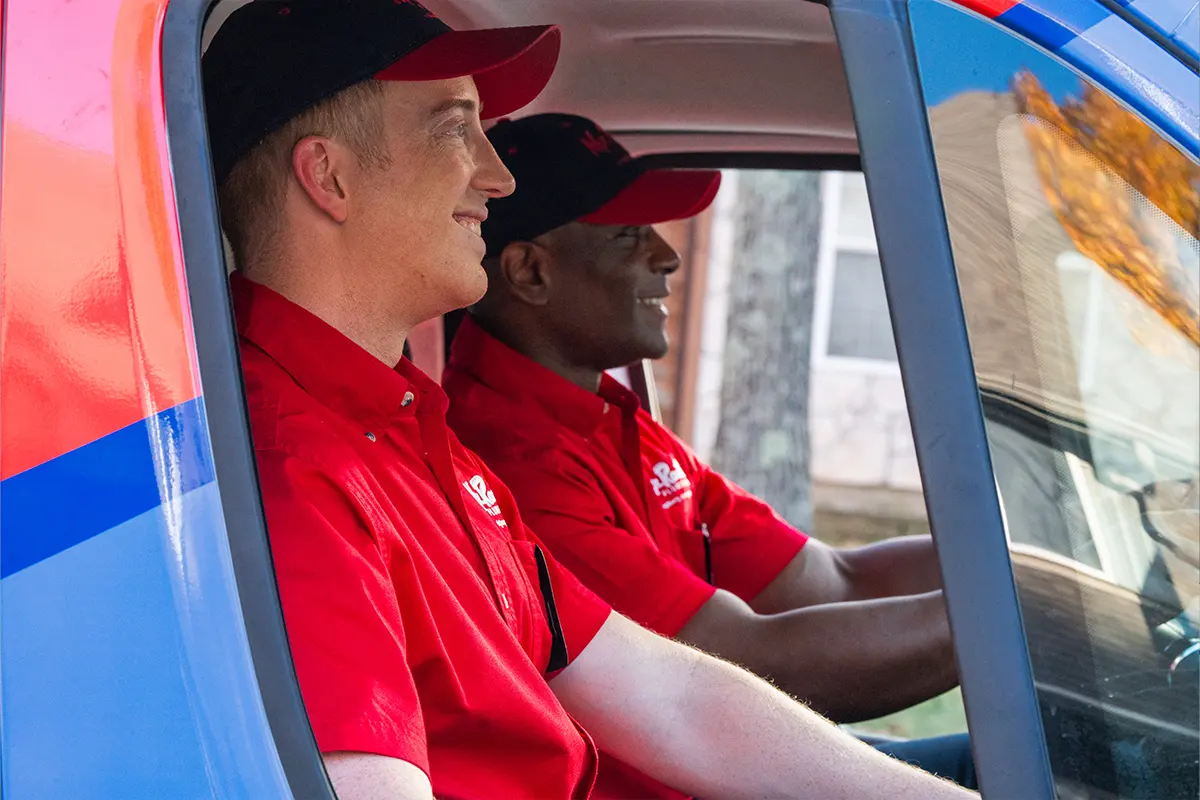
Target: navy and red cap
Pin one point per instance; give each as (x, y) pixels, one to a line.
(569, 169)
(272, 59)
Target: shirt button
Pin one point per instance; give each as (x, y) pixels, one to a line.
(504, 600)
(370, 436)
(606, 408)
(407, 401)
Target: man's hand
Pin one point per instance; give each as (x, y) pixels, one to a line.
(714, 730)
(365, 776)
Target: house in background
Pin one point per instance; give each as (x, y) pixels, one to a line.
(865, 481)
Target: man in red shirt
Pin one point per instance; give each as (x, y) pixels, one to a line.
(438, 648)
(578, 277)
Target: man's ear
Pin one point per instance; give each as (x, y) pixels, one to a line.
(320, 166)
(525, 269)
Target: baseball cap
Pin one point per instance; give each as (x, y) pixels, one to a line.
(272, 59)
(569, 169)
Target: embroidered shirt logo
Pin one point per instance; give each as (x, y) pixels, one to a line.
(670, 482)
(477, 487)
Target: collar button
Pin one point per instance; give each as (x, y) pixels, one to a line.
(370, 436)
(407, 401)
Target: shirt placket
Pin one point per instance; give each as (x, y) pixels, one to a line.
(436, 442)
(631, 456)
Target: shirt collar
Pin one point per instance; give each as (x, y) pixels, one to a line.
(489, 361)
(325, 363)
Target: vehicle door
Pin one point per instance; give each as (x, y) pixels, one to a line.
(142, 648)
(1033, 175)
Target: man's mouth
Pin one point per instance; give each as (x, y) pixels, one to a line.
(657, 303)
(473, 224)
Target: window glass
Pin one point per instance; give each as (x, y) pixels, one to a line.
(1074, 229)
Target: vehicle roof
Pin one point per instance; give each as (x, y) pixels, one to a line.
(685, 75)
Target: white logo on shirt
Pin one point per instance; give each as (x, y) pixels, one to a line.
(671, 482)
(477, 487)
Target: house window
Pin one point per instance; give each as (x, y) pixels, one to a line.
(852, 328)
(859, 326)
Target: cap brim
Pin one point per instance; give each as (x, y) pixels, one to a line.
(659, 195)
(511, 66)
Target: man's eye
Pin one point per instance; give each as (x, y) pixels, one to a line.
(630, 232)
(456, 130)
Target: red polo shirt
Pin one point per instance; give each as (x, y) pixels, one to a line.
(411, 589)
(617, 497)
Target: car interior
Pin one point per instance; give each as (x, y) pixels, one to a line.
(1100, 510)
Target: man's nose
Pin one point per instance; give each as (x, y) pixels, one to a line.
(663, 257)
(491, 176)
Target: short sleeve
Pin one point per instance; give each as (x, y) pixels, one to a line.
(751, 544)
(342, 616)
(566, 508)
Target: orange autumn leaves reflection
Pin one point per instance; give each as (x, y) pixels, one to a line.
(1105, 221)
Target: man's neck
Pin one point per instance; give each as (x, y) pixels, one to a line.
(351, 312)
(543, 353)
(583, 377)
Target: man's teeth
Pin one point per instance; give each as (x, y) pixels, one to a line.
(653, 302)
(473, 225)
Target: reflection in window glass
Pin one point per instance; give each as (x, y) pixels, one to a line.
(1074, 225)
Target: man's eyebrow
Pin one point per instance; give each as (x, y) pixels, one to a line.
(457, 104)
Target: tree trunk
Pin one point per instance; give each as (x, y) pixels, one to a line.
(762, 438)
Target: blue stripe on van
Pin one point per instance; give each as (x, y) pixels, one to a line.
(81, 494)
(1053, 23)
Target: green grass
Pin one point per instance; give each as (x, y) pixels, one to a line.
(935, 717)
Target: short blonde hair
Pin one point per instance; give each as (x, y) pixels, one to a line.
(252, 194)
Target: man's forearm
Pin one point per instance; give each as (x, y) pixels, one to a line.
(849, 660)
(714, 730)
(856, 661)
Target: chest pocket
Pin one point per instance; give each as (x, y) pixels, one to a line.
(530, 611)
(558, 643)
(546, 643)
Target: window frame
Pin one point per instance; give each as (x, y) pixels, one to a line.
(945, 407)
(224, 399)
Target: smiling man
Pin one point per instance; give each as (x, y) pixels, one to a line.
(578, 280)
(439, 650)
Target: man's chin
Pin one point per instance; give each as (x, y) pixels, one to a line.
(658, 348)
(469, 289)
(649, 351)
